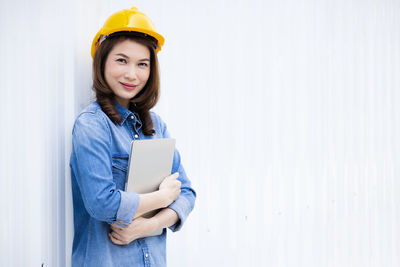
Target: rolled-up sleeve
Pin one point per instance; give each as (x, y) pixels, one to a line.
(184, 204)
(91, 164)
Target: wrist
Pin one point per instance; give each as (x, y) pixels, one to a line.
(163, 198)
(155, 223)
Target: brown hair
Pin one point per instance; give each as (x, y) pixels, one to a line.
(142, 102)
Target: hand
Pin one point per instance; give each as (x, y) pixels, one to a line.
(171, 188)
(140, 227)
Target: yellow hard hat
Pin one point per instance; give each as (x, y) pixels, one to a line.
(131, 20)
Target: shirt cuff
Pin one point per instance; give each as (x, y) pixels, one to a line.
(127, 208)
(182, 207)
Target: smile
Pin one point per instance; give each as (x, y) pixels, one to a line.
(128, 86)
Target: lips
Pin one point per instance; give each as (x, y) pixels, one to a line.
(128, 86)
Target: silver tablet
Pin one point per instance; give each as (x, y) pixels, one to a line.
(150, 161)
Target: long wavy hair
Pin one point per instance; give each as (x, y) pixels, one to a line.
(147, 97)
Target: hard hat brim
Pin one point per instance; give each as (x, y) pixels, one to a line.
(96, 41)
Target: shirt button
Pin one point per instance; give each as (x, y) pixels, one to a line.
(132, 117)
(146, 255)
(136, 136)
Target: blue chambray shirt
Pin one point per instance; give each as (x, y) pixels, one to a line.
(99, 160)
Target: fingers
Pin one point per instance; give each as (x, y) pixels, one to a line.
(170, 178)
(174, 179)
(115, 241)
(173, 176)
(116, 228)
(170, 181)
(117, 238)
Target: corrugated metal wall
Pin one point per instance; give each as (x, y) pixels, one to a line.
(286, 114)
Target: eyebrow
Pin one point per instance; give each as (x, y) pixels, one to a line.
(122, 55)
(125, 56)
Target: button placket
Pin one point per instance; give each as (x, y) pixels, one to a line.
(133, 118)
(145, 251)
(146, 256)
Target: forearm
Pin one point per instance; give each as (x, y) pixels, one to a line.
(142, 227)
(151, 201)
(168, 191)
(166, 218)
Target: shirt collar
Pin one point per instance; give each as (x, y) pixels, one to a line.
(125, 113)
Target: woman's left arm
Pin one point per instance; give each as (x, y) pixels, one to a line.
(142, 227)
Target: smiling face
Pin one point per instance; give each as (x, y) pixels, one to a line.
(127, 70)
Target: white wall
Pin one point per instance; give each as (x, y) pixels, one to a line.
(35, 82)
(286, 114)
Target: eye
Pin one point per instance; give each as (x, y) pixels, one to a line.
(143, 64)
(122, 60)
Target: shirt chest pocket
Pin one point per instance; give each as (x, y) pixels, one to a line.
(119, 170)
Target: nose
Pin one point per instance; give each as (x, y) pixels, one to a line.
(130, 73)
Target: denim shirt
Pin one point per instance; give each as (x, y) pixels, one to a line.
(99, 160)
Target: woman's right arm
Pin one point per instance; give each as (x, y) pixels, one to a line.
(91, 165)
(169, 190)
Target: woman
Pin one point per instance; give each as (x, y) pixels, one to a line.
(109, 229)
